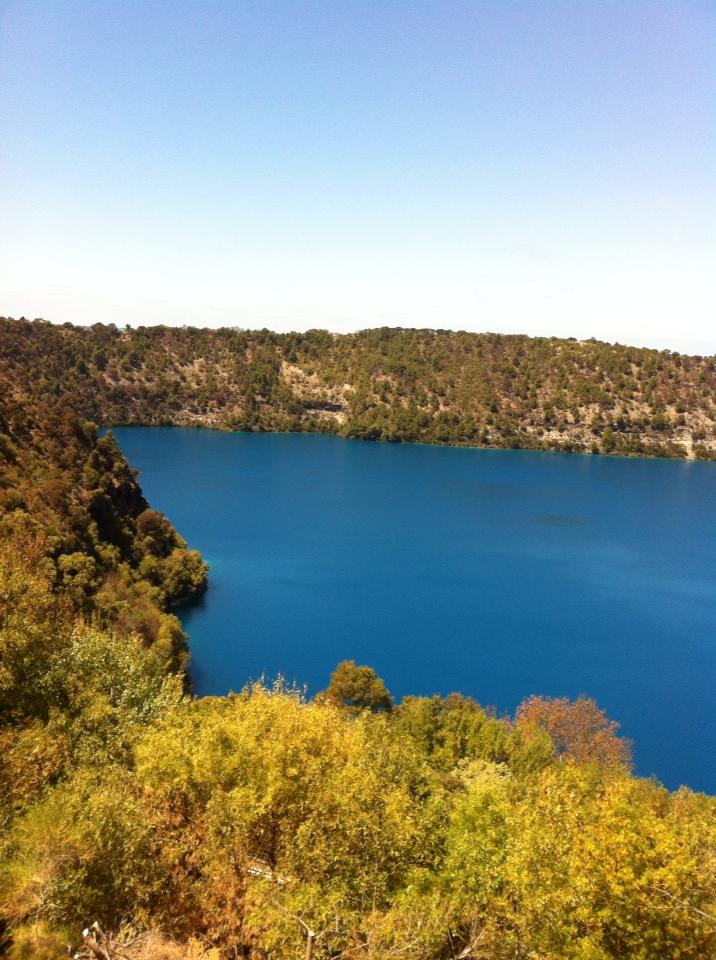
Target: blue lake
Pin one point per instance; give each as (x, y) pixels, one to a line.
(496, 573)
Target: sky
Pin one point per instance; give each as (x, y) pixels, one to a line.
(543, 167)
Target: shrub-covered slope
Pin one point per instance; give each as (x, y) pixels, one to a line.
(106, 550)
(390, 384)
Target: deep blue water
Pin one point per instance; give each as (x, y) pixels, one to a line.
(496, 573)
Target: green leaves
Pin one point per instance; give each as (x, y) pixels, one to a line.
(387, 384)
(357, 688)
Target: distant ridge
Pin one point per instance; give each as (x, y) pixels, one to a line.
(394, 384)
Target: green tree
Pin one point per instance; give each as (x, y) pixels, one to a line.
(358, 688)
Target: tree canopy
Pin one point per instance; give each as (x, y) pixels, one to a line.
(358, 688)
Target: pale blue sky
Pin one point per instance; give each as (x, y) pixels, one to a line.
(539, 167)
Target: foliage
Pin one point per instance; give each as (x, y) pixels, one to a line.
(432, 386)
(39, 941)
(578, 729)
(357, 688)
(264, 825)
(432, 831)
(73, 495)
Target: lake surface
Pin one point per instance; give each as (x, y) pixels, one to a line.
(496, 573)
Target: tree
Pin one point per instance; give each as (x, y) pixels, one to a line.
(579, 729)
(358, 688)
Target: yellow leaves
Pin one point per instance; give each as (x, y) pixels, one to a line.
(38, 941)
(580, 855)
(560, 863)
(317, 797)
(239, 815)
(44, 849)
(480, 776)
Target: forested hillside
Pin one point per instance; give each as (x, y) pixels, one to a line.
(265, 825)
(416, 385)
(75, 496)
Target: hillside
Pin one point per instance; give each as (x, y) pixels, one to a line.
(263, 825)
(73, 494)
(431, 386)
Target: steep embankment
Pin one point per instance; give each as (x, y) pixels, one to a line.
(415, 385)
(74, 494)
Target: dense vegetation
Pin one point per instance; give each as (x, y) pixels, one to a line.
(106, 550)
(432, 829)
(427, 385)
(264, 825)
